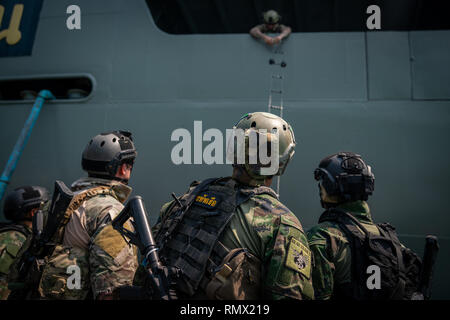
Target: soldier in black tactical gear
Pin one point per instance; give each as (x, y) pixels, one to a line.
(354, 258)
(20, 205)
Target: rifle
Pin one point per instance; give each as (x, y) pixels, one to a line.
(29, 267)
(159, 277)
(426, 272)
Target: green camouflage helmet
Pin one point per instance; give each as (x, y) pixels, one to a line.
(271, 17)
(274, 125)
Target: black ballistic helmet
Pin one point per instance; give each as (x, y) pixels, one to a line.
(346, 175)
(20, 201)
(106, 152)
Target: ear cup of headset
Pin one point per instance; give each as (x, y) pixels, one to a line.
(346, 175)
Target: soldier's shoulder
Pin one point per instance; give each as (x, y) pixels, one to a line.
(269, 208)
(322, 232)
(12, 235)
(12, 241)
(98, 206)
(269, 204)
(102, 200)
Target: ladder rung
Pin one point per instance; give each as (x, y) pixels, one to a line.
(277, 107)
(277, 91)
(277, 76)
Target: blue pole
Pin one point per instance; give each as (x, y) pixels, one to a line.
(22, 140)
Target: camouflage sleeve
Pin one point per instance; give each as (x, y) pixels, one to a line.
(324, 248)
(257, 32)
(285, 31)
(289, 262)
(10, 244)
(112, 262)
(286, 255)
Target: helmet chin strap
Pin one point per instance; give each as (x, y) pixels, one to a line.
(323, 195)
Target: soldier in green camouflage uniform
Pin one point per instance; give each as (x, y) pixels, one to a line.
(19, 207)
(251, 248)
(331, 250)
(328, 242)
(104, 259)
(345, 184)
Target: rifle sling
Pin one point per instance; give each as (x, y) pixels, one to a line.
(76, 202)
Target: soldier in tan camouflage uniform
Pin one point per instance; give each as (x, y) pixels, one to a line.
(19, 207)
(235, 239)
(271, 25)
(103, 257)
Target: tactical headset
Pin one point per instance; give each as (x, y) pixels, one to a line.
(346, 175)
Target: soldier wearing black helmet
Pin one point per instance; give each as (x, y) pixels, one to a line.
(19, 207)
(354, 258)
(271, 25)
(89, 242)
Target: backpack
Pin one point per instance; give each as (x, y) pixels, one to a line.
(188, 240)
(399, 266)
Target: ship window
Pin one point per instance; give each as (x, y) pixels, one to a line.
(69, 88)
(225, 16)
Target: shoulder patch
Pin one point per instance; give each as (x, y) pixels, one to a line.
(208, 200)
(299, 258)
(110, 241)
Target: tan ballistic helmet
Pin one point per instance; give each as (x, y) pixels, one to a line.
(271, 17)
(276, 129)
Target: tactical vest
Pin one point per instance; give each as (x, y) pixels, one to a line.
(188, 238)
(399, 266)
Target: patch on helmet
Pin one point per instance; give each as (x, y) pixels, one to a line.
(299, 258)
(207, 200)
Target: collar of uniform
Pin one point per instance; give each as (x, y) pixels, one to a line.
(242, 177)
(121, 191)
(359, 209)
